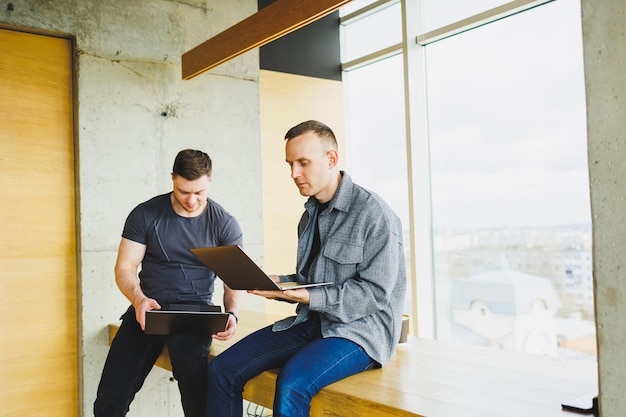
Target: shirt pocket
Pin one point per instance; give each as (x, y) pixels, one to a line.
(342, 258)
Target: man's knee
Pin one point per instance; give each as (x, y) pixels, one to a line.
(108, 406)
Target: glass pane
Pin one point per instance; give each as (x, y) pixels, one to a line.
(353, 6)
(366, 35)
(510, 193)
(375, 135)
(438, 13)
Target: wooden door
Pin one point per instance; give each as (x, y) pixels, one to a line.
(38, 324)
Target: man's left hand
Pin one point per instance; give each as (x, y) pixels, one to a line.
(231, 328)
(299, 295)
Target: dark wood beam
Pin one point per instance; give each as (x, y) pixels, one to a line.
(269, 23)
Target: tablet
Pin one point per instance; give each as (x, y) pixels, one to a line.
(166, 322)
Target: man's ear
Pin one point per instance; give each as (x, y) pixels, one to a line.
(333, 158)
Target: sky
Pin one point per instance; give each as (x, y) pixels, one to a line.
(506, 121)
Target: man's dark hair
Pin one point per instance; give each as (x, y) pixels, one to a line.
(192, 164)
(322, 131)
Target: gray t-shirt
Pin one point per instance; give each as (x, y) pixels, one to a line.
(169, 271)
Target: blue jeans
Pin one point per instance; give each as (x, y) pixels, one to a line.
(308, 363)
(132, 356)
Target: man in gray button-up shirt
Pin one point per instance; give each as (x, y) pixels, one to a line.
(350, 237)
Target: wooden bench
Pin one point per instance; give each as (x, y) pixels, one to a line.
(430, 378)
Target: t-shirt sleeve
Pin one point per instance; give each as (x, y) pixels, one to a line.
(231, 233)
(135, 226)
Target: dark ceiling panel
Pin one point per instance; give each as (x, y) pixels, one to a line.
(313, 50)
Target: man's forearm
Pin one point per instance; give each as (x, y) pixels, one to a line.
(233, 300)
(128, 284)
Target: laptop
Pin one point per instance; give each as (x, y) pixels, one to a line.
(240, 272)
(186, 321)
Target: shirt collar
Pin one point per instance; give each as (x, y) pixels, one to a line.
(341, 199)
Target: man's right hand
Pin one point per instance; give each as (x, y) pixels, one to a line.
(143, 305)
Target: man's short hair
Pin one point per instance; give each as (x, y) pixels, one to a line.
(322, 131)
(192, 164)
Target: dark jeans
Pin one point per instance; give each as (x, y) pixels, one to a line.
(308, 363)
(132, 356)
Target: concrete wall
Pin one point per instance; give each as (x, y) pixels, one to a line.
(605, 75)
(134, 113)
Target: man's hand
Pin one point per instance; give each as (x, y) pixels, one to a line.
(231, 328)
(141, 306)
(299, 295)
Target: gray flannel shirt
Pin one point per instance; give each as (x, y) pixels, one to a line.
(362, 254)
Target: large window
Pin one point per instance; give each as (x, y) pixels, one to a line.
(509, 191)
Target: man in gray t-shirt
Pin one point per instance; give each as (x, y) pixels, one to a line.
(158, 235)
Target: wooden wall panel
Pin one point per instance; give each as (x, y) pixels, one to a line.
(38, 323)
(287, 100)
